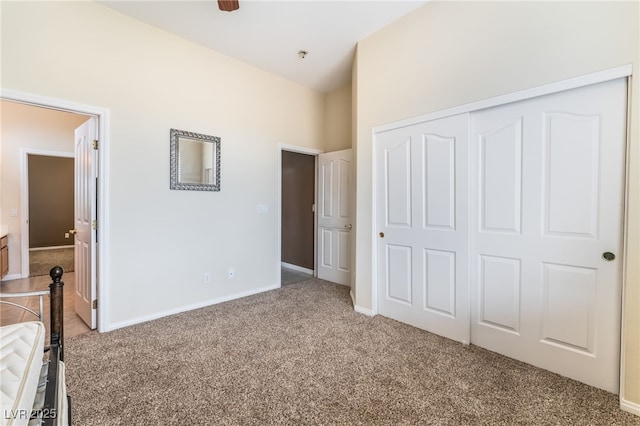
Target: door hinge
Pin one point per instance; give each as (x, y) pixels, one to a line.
(95, 144)
(94, 225)
(95, 304)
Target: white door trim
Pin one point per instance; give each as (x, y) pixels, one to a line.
(24, 202)
(520, 95)
(103, 114)
(300, 150)
(624, 404)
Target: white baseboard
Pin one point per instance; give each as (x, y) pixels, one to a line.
(362, 310)
(296, 268)
(630, 407)
(12, 277)
(51, 248)
(186, 308)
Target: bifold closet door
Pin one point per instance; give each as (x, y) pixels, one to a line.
(547, 199)
(422, 224)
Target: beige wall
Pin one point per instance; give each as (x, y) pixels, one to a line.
(338, 119)
(452, 53)
(51, 201)
(26, 127)
(161, 242)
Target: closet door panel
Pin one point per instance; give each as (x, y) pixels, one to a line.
(547, 202)
(422, 226)
(501, 178)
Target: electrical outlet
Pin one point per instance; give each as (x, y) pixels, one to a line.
(207, 278)
(231, 273)
(66, 235)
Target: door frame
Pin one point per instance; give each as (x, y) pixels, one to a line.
(24, 204)
(300, 150)
(103, 118)
(624, 71)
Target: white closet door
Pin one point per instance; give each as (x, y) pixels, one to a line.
(422, 225)
(547, 203)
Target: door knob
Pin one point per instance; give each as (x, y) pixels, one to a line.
(348, 226)
(608, 256)
(381, 234)
(73, 231)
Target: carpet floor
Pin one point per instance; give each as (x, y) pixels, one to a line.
(41, 261)
(301, 355)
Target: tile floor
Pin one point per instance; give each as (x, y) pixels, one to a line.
(291, 276)
(73, 325)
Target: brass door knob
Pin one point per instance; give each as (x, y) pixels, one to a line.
(73, 231)
(381, 234)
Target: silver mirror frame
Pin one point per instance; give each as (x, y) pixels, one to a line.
(175, 183)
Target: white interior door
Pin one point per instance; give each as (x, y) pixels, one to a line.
(422, 224)
(547, 203)
(334, 216)
(85, 211)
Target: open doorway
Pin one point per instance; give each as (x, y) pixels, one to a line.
(51, 205)
(44, 138)
(315, 188)
(298, 185)
(35, 122)
(329, 201)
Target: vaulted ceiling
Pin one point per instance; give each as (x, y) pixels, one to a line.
(270, 34)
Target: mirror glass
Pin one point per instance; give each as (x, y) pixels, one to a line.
(195, 161)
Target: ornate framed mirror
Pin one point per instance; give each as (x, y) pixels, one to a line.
(195, 161)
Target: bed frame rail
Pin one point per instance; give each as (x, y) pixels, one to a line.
(49, 412)
(56, 300)
(40, 294)
(56, 289)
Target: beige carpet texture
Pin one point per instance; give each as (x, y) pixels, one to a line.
(300, 355)
(40, 261)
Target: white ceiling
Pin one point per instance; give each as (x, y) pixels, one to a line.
(268, 34)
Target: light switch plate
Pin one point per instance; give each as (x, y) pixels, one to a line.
(263, 208)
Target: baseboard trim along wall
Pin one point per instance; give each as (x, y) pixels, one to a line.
(204, 304)
(12, 277)
(50, 248)
(630, 407)
(297, 268)
(365, 311)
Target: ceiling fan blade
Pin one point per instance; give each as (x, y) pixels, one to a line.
(228, 5)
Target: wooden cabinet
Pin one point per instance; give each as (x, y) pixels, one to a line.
(4, 256)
